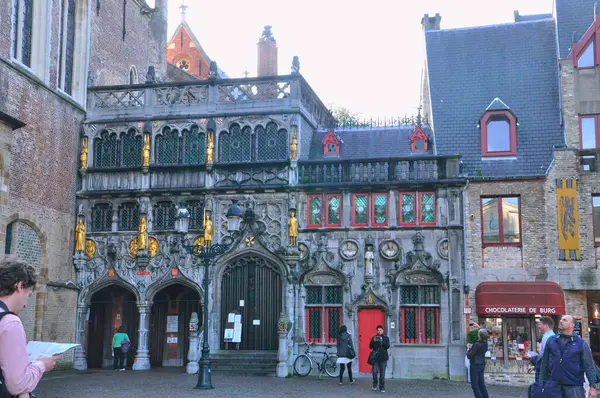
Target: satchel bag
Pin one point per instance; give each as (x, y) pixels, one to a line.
(125, 345)
(545, 389)
(373, 357)
(350, 354)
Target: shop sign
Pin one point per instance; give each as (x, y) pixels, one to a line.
(521, 310)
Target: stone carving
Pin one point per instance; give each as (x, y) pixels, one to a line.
(368, 298)
(213, 71)
(293, 228)
(90, 248)
(84, 153)
(295, 65)
(80, 236)
(442, 248)
(348, 249)
(304, 251)
(293, 200)
(389, 249)
(369, 261)
(252, 176)
(420, 268)
(323, 279)
(321, 267)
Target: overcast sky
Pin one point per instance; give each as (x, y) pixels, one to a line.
(363, 55)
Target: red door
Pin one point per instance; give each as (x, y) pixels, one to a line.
(368, 319)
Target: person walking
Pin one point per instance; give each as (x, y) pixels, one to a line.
(119, 339)
(345, 353)
(18, 376)
(546, 329)
(379, 343)
(567, 358)
(476, 355)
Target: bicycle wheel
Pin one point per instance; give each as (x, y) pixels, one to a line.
(331, 367)
(302, 365)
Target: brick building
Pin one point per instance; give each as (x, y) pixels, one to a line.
(49, 52)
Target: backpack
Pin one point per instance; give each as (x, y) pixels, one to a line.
(125, 346)
(3, 390)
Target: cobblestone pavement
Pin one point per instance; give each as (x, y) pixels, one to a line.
(173, 383)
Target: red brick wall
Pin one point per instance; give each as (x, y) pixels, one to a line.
(185, 48)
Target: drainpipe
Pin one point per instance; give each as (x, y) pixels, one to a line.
(466, 276)
(449, 326)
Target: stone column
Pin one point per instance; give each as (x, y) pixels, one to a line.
(142, 357)
(193, 354)
(80, 360)
(282, 355)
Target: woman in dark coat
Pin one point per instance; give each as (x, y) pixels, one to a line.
(476, 355)
(344, 343)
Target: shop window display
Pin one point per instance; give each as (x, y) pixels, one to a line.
(495, 344)
(518, 336)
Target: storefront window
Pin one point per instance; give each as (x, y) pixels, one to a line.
(495, 344)
(518, 336)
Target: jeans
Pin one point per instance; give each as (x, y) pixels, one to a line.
(379, 367)
(573, 392)
(119, 359)
(344, 366)
(478, 381)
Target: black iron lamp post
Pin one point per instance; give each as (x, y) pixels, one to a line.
(207, 253)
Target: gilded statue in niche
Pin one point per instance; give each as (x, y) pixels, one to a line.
(90, 248)
(146, 151)
(133, 247)
(80, 236)
(294, 144)
(210, 147)
(293, 228)
(152, 246)
(142, 230)
(208, 228)
(84, 153)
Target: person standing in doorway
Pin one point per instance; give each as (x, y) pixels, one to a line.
(380, 343)
(119, 339)
(476, 355)
(345, 353)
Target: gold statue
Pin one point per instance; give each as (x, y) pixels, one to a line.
(146, 151)
(142, 238)
(84, 153)
(133, 247)
(152, 246)
(294, 145)
(210, 147)
(90, 248)
(293, 228)
(80, 236)
(208, 229)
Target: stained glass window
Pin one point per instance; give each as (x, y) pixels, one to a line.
(379, 209)
(334, 207)
(129, 214)
(131, 149)
(167, 147)
(194, 146)
(196, 209)
(102, 217)
(427, 208)
(271, 143)
(407, 208)
(69, 46)
(106, 151)
(359, 216)
(314, 210)
(164, 216)
(235, 145)
(323, 307)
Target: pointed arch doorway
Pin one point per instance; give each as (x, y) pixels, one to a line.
(256, 284)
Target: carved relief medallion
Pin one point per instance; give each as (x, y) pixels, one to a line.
(389, 249)
(442, 248)
(304, 251)
(349, 249)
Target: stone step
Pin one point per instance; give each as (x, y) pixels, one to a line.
(245, 362)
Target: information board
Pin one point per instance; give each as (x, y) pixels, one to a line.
(172, 323)
(233, 328)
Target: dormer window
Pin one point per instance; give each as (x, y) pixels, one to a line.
(419, 140)
(331, 144)
(498, 133)
(585, 53)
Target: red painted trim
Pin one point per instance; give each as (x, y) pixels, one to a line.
(596, 127)
(595, 50)
(387, 207)
(330, 195)
(331, 138)
(500, 222)
(308, 338)
(418, 135)
(581, 45)
(354, 223)
(406, 340)
(434, 222)
(594, 226)
(308, 224)
(415, 211)
(512, 122)
(339, 313)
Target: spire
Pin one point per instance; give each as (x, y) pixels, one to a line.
(183, 8)
(419, 119)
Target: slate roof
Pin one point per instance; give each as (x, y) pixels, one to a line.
(370, 143)
(573, 18)
(470, 67)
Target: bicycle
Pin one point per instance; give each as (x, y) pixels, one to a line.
(304, 363)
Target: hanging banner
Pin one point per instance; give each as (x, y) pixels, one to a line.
(568, 219)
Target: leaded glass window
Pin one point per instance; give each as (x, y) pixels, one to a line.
(67, 47)
(380, 209)
(196, 209)
(417, 208)
(106, 151)
(167, 147)
(102, 217)
(194, 146)
(164, 216)
(314, 210)
(235, 145)
(420, 314)
(131, 149)
(271, 144)
(323, 313)
(359, 206)
(22, 40)
(129, 215)
(427, 208)
(407, 208)
(334, 210)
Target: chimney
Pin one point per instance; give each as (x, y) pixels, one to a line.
(267, 53)
(431, 23)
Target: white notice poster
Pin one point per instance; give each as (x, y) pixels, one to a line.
(241, 303)
(231, 317)
(37, 348)
(228, 334)
(172, 323)
(238, 319)
(256, 322)
(237, 333)
(171, 340)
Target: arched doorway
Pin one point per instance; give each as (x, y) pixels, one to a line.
(257, 284)
(172, 308)
(110, 308)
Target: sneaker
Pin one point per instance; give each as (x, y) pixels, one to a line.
(352, 381)
(382, 390)
(374, 388)
(340, 383)
(122, 370)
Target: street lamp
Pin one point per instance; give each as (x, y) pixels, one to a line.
(206, 253)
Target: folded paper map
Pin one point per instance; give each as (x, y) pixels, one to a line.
(37, 348)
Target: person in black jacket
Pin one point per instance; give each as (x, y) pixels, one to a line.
(345, 357)
(380, 343)
(476, 355)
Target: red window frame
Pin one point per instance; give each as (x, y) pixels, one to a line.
(387, 209)
(308, 224)
(403, 339)
(421, 327)
(323, 309)
(424, 340)
(418, 135)
(596, 125)
(421, 222)
(308, 311)
(500, 223)
(327, 223)
(586, 40)
(417, 200)
(354, 223)
(328, 310)
(512, 123)
(331, 138)
(594, 226)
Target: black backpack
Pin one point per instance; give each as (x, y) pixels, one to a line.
(3, 390)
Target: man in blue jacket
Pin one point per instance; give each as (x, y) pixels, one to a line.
(566, 359)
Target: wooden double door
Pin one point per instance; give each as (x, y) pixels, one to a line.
(252, 286)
